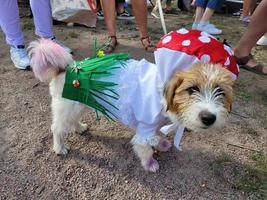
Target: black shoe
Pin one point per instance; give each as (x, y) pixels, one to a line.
(125, 15)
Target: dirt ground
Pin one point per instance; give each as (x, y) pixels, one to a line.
(229, 164)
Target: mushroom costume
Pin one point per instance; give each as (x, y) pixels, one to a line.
(139, 84)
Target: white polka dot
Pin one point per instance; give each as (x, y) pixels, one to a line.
(205, 58)
(206, 35)
(227, 62)
(167, 39)
(182, 31)
(186, 42)
(228, 49)
(204, 39)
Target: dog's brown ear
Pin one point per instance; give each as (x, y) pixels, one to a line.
(228, 87)
(170, 88)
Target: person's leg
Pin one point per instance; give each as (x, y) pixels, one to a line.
(42, 16)
(168, 5)
(140, 12)
(200, 8)
(9, 22)
(204, 23)
(212, 5)
(199, 13)
(247, 10)
(248, 7)
(253, 6)
(108, 7)
(120, 6)
(256, 28)
(207, 15)
(122, 13)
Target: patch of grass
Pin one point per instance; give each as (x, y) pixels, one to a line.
(245, 96)
(219, 164)
(73, 35)
(251, 180)
(260, 160)
(253, 183)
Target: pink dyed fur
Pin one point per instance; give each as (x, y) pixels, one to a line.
(47, 58)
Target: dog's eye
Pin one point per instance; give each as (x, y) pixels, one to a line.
(192, 89)
(219, 91)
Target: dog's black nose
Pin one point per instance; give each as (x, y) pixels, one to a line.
(207, 118)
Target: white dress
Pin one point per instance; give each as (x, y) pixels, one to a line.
(140, 100)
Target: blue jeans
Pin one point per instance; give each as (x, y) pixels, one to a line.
(212, 4)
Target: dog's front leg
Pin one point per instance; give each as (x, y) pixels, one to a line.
(145, 153)
(58, 140)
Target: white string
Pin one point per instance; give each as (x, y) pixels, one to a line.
(162, 17)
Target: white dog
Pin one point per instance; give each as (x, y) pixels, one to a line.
(196, 95)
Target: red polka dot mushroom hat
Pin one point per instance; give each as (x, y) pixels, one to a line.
(180, 49)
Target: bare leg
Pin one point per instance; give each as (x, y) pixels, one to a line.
(256, 28)
(140, 12)
(207, 15)
(248, 7)
(199, 14)
(108, 7)
(168, 5)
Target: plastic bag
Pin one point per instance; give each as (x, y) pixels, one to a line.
(75, 11)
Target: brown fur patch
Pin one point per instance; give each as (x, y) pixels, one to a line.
(202, 76)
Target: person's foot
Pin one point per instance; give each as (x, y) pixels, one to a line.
(209, 28)
(111, 45)
(100, 15)
(250, 64)
(149, 47)
(54, 39)
(125, 15)
(262, 41)
(19, 57)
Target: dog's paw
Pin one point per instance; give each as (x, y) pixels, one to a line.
(81, 127)
(164, 145)
(61, 150)
(151, 165)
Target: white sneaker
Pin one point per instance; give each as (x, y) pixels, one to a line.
(61, 44)
(19, 57)
(262, 41)
(195, 25)
(209, 28)
(245, 19)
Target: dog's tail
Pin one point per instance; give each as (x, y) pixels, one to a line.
(48, 59)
